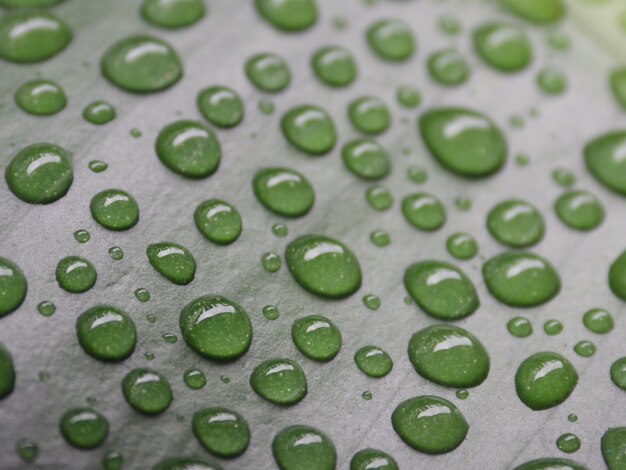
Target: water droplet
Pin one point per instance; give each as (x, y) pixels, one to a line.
(430, 424)
(172, 14)
(366, 159)
(32, 36)
(369, 115)
(268, 72)
(618, 373)
(270, 312)
(617, 276)
(170, 338)
(536, 11)
(572, 418)
(522, 160)
(194, 379)
(579, 210)
(116, 253)
(271, 262)
(12, 287)
(550, 464)
(99, 113)
(441, 290)
(521, 279)
(585, 348)
(114, 209)
(408, 96)
(367, 395)
(221, 106)
(613, 446)
(463, 203)
(558, 41)
(172, 261)
(551, 80)
(380, 238)
(323, 266)
(147, 391)
(46, 308)
(449, 356)
(618, 85)
(149, 356)
(186, 464)
(280, 230)
(142, 294)
(40, 97)
(27, 450)
(40, 173)
(462, 246)
(516, 223)
(43, 376)
(141, 64)
(373, 361)
(225, 379)
(545, 380)
(504, 47)
(7, 373)
(462, 394)
(82, 236)
(98, 166)
(423, 211)
(84, 428)
(316, 337)
(372, 459)
(288, 15)
(218, 221)
(379, 198)
(75, 274)
(604, 161)
(552, 327)
(449, 25)
(216, 328)
(417, 175)
(334, 66)
(299, 445)
(283, 191)
(448, 67)
(112, 461)
(391, 40)
(564, 177)
(520, 327)
(266, 106)
(464, 141)
(189, 149)
(371, 301)
(135, 133)
(279, 381)
(309, 129)
(598, 320)
(106, 333)
(221, 431)
(568, 443)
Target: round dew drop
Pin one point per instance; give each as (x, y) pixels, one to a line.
(448, 68)
(366, 159)
(268, 72)
(221, 106)
(99, 113)
(516, 223)
(172, 14)
(288, 15)
(40, 97)
(173, 261)
(114, 209)
(334, 66)
(221, 431)
(194, 379)
(283, 191)
(309, 129)
(551, 81)
(13, 287)
(75, 274)
(423, 211)
(147, 391)
(617, 276)
(503, 47)
(462, 246)
(379, 198)
(303, 448)
(316, 337)
(106, 333)
(218, 221)
(372, 459)
(579, 210)
(598, 320)
(520, 327)
(391, 40)
(568, 443)
(279, 381)
(84, 428)
(369, 115)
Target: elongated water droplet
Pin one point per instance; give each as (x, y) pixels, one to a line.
(391, 40)
(106, 333)
(288, 15)
(7, 373)
(13, 286)
(316, 337)
(283, 191)
(40, 97)
(516, 223)
(84, 428)
(613, 446)
(147, 391)
(98, 166)
(279, 381)
(504, 47)
(172, 14)
(75, 274)
(223, 432)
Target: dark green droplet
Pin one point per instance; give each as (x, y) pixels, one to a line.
(221, 431)
(309, 129)
(617, 276)
(116, 253)
(316, 337)
(618, 373)
(141, 64)
(323, 266)
(7, 373)
(40, 173)
(423, 211)
(464, 141)
(379, 198)
(367, 395)
(617, 82)
(449, 356)
(271, 262)
(27, 450)
(173, 261)
(373, 361)
(441, 289)
(99, 113)
(430, 424)
(521, 279)
(545, 380)
(40, 97)
(142, 295)
(604, 159)
(114, 209)
(568, 443)
(369, 115)
(216, 328)
(186, 464)
(218, 221)
(147, 391)
(283, 191)
(520, 327)
(84, 428)
(194, 379)
(189, 149)
(268, 72)
(504, 47)
(552, 327)
(598, 320)
(106, 333)
(551, 464)
(372, 459)
(98, 166)
(32, 36)
(12, 286)
(585, 348)
(279, 381)
(366, 159)
(288, 15)
(303, 448)
(172, 14)
(536, 11)
(221, 106)
(334, 66)
(371, 301)
(613, 446)
(579, 210)
(462, 246)
(75, 274)
(271, 312)
(82, 236)
(516, 223)
(448, 67)
(391, 40)
(380, 238)
(551, 80)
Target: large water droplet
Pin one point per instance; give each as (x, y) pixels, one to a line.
(40, 97)
(283, 191)
(84, 428)
(605, 157)
(613, 446)
(316, 337)
(279, 381)
(221, 431)
(114, 209)
(579, 210)
(75, 274)
(536, 11)
(373, 361)
(173, 261)
(147, 391)
(106, 333)
(551, 464)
